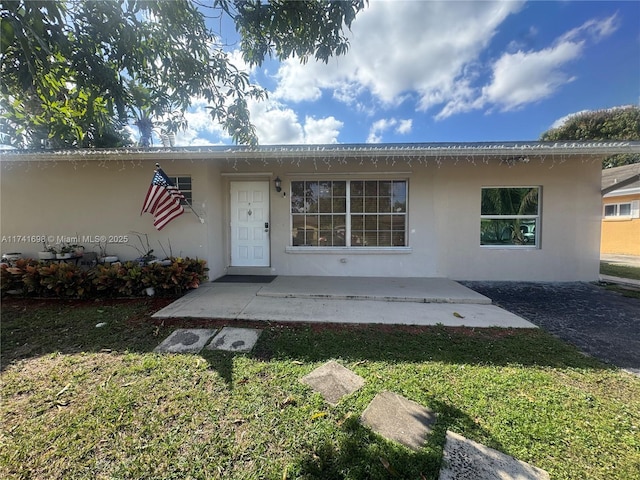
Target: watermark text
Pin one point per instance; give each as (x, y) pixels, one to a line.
(67, 239)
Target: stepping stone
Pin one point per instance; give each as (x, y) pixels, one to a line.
(186, 340)
(333, 381)
(465, 459)
(234, 339)
(399, 419)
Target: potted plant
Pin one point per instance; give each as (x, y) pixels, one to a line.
(11, 257)
(147, 258)
(103, 256)
(64, 251)
(48, 252)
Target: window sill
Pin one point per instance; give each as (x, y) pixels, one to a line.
(510, 247)
(351, 250)
(618, 218)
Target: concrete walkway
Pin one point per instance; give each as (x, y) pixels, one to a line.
(628, 260)
(417, 290)
(397, 301)
(622, 260)
(630, 282)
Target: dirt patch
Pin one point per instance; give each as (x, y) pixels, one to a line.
(155, 303)
(489, 333)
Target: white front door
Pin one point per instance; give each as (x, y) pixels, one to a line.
(250, 224)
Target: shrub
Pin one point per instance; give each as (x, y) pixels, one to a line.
(104, 279)
(64, 280)
(116, 280)
(128, 279)
(183, 274)
(22, 275)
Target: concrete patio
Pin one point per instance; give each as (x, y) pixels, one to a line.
(372, 300)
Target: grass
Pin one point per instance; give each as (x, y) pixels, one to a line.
(622, 271)
(86, 402)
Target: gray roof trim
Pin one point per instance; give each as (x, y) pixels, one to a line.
(622, 192)
(443, 150)
(620, 177)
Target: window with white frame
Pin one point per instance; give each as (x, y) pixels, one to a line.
(183, 183)
(510, 216)
(349, 213)
(623, 209)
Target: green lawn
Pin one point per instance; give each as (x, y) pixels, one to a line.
(622, 271)
(85, 402)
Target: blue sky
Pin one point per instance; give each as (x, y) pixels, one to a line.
(453, 71)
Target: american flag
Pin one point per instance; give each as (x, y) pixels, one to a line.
(162, 200)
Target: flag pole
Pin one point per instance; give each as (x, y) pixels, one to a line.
(185, 201)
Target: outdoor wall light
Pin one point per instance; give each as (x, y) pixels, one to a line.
(278, 183)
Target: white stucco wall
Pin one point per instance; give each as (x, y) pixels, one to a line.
(568, 248)
(444, 221)
(92, 199)
(104, 197)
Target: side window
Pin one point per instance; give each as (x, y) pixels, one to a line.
(621, 209)
(510, 216)
(184, 185)
(611, 210)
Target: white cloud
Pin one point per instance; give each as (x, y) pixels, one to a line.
(277, 124)
(379, 127)
(426, 54)
(594, 29)
(293, 87)
(400, 50)
(404, 126)
(430, 53)
(235, 57)
(384, 124)
(201, 129)
(322, 131)
(522, 78)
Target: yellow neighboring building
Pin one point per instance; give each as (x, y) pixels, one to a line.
(621, 210)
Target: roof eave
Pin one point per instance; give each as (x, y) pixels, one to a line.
(441, 150)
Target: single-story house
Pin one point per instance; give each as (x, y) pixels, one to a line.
(525, 211)
(621, 210)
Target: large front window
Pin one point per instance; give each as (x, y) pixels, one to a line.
(349, 213)
(510, 216)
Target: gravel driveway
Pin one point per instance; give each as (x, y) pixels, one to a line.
(601, 323)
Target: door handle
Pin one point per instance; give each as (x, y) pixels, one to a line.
(266, 226)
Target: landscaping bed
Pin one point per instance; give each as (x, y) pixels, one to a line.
(26, 277)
